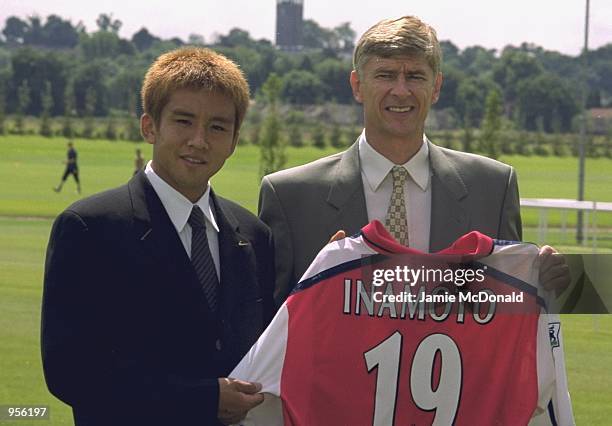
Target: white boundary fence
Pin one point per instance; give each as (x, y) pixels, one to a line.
(590, 209)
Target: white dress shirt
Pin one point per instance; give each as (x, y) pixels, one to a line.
(179, 208)
(378, 186)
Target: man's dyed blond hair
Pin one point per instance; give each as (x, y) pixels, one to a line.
(407, 36)
(193, 68)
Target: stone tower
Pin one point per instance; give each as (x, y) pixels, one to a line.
(289, 17)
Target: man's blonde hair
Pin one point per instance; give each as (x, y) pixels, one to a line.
(407, 35)
(193, 68)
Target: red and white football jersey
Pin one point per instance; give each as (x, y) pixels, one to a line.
(337, 354)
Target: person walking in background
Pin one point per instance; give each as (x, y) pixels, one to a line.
(138, 161)
(72, 168)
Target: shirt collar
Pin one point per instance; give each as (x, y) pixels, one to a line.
(376, 166)
(177, 206)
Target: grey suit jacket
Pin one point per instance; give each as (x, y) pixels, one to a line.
(304, 206)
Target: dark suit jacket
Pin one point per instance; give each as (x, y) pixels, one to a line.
(127, 336)
(304, 206)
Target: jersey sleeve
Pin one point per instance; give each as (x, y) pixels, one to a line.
(554, 404)
(263, 364)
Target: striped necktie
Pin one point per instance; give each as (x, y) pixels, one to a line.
(201, 259)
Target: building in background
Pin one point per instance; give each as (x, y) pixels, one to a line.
(289, 19)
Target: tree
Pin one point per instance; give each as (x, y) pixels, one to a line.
(468, 138)
(476, 59)
(453, 77)
(110, 132)
(23, 97)
(92, 75)
(345, 36)
(489, 138)
(295, 136)
(450, 53)
(39, 66)
(301, 88)
(35, 35)
(47, 105)
(69, 111)
(132, 124)
(14, 29)
(318, 137)
(90, 106)
(335, 137)
(254, 134)
(106, 23)
(143, 39)
(101, 44)
(196, 39)
(470, 101)
(59, 33)
(272, 146)
(513, 67)
(2, 106)
(549, 98)
(314, 36)
(235, 38)
(333, 74)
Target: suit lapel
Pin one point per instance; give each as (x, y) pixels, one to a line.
(346, 194)
(159, 239)
(237, 259)
(449, 219)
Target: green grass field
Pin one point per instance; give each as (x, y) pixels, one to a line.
(30, 166)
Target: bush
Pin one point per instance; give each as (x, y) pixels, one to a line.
(318, 137)
(254, 134)
(68, 128)
(295, 137)
(45, 126)
(335, 138)
(608, 149)
(542, 150)
(559, 148)
(110, 132)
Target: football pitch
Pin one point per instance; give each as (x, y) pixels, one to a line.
(30, 166)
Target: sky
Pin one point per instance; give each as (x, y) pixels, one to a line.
(553, 24)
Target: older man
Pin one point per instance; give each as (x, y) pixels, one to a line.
(427, 196)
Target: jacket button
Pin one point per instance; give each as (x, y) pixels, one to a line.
(218, 344)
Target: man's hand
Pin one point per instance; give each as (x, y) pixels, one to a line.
(236, 398)
(337, 236)
(554, 272)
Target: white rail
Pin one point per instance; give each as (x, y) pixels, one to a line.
(590, 208)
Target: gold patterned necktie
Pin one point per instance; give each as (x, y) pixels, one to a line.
(395, 222)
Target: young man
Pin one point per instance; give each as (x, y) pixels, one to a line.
(426, 195)
(154, 290)
(72, 168)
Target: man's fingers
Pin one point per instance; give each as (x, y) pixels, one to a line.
(554, 271)
(236, 398)
(550, 258)
(337, 236)
(253, 400)
(557, 278)
(546, 250)
(247, 387)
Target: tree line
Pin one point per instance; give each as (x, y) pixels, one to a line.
(52, 67)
